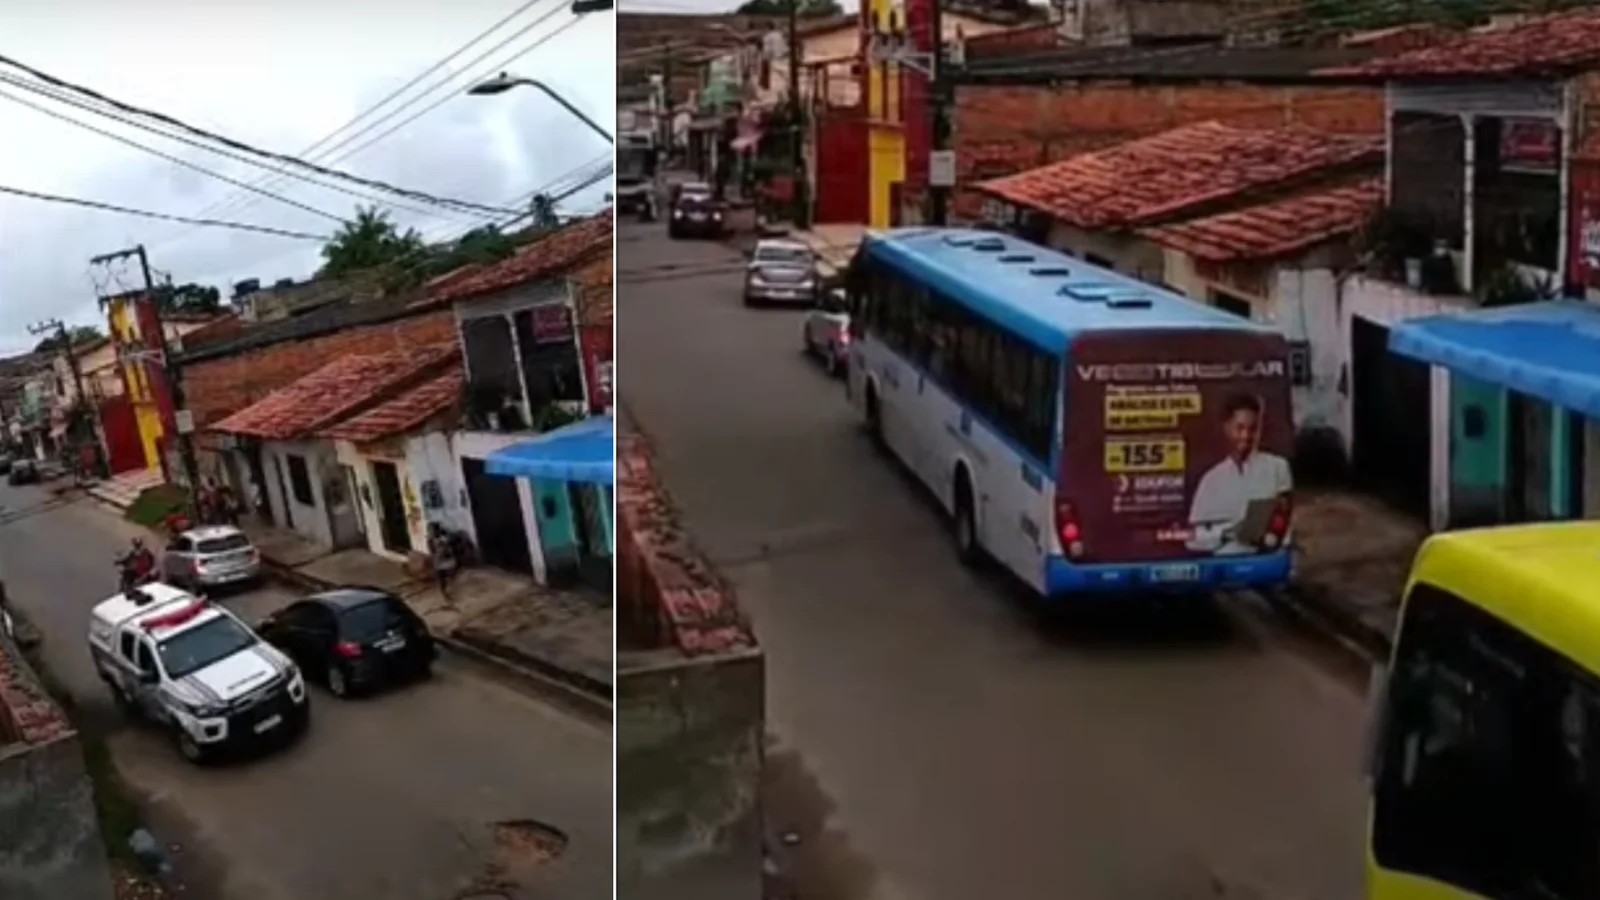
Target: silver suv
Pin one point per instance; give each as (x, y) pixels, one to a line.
(211, 556)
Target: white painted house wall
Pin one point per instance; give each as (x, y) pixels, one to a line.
(366, 497)
(309, 521)
(478, 445)
(1385, 304)
(432, 457)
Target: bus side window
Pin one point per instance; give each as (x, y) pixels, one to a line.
(1480, 784)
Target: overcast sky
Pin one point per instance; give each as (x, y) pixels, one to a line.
(281, 75)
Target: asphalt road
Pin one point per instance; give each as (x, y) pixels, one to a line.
(931, 739)
(396, 796)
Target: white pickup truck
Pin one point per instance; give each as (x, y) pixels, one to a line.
(193, 668)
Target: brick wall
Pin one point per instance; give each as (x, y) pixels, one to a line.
(1001, 129)
(668, 593)
(691, 716)
(216, 388)
(50, 843)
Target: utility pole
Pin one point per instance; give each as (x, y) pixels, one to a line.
(939, 104)
(169, 367)
(64, 341)
(802, 208)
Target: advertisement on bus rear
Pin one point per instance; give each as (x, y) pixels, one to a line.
(1177, 444)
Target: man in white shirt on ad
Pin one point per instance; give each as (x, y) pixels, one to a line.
(1246, 476)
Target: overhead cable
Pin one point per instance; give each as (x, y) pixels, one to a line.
(175, 160)
(498, 67)
(74, 101)
(168, 217)
(241, 146)
(321, 149)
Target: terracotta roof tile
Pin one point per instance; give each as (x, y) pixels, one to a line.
(1553, 44)
(405, 412)
(549, 255)
(1143, 181)
(332, 393)
(1275, 228)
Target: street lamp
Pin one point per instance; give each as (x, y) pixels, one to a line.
(505, 82)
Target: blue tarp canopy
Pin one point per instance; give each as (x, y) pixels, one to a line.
(1549, 350)
(583, 451)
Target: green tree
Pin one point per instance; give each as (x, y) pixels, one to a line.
(370, 240)
(808, 8)
(80, 334)
(189, 298)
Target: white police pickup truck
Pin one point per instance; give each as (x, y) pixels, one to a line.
(193, 668)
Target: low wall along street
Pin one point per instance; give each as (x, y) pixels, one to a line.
(50, 845)
(691, 708)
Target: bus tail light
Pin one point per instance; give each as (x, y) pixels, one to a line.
(1278, 526)
(1067, 528)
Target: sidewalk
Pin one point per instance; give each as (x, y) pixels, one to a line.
(565, 636)
(1352, 555)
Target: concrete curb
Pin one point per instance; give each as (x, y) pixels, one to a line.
(1312, 607)
(571, 688)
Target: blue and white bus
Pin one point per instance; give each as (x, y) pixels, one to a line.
(1089, 432)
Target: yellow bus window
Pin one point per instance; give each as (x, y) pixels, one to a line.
(1488, 775)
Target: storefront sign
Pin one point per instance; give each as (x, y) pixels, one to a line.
(1584, 234)
(552, 322)
(1530, 145)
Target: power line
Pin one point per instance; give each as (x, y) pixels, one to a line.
(440, 101)
(239, 145)
(63, 97)
(147, 214)
(320, 148)
(176, 160)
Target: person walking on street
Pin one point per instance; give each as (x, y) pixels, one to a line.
(442, 554)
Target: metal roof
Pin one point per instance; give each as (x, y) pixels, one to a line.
(1045, 297)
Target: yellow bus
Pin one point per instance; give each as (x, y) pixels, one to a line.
(1485, 765)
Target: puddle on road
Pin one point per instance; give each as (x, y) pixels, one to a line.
(807, 857)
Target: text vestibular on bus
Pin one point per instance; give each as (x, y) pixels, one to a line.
(1088, 432)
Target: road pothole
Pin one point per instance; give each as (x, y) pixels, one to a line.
(527, 843)
(520, 848)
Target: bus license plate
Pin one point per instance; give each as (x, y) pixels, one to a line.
(1177, 573)
(268, 723)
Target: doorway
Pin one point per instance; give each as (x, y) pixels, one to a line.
(1528, 459)
(392, 526)
(497, 518)
(589, 525)
(1391, 399)
(283, 491)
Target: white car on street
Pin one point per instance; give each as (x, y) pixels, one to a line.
(194, 669)
(781, 271)
(826, 334)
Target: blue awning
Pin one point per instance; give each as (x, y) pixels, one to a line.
(583, 451)
(1549, 350)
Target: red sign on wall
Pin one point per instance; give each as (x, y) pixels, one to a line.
(1583, 266)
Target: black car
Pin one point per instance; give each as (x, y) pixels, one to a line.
(24, 471)
(696, 213)
(353, 639)
(5, 463)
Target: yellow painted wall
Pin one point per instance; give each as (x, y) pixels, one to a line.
(124, 329)
(886, 160)
(886, 154)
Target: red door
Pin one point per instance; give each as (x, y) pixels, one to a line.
(124, 449)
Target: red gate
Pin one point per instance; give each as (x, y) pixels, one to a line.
(124, 448)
